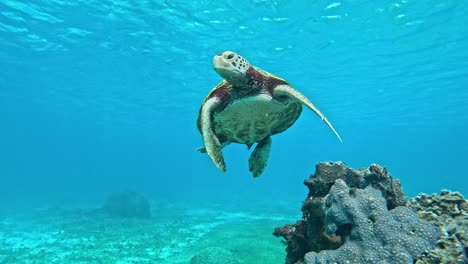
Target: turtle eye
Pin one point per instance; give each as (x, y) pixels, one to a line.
(230, 56)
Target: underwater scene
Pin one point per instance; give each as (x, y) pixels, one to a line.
(233, 132)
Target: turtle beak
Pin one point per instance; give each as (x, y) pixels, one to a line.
(218, 62)
(222, 67)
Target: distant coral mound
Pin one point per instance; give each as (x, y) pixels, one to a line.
(127, 205)
(214, 255)
(363, 216)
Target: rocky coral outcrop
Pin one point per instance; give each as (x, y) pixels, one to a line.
(214, 255)
(356, 215)
(326, 173)
(127, 205)
(449, 211)
(374, 234)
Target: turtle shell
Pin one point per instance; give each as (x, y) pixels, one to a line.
(250, 114)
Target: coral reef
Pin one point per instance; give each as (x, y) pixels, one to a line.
(214, 255)
(449, 211)
(326, 173)
(375, 235)
(127, 205)
(356, 216)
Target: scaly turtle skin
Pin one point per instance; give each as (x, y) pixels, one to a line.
(248, 107)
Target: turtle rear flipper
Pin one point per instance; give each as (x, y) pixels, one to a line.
(212, 145)
(203, 149)
(259, 157)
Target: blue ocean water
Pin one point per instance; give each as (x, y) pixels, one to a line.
(98, 96)
(102, 95)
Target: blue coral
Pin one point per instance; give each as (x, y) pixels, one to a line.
(373, 234)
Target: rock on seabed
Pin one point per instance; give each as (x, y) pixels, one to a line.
(349, 211)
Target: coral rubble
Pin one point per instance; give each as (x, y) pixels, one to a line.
(363, 216)
(449, 211)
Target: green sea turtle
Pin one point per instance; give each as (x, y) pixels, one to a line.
(247, 107)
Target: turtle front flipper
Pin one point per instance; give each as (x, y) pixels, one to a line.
(212, 145)
(259, 157)
(289, 91)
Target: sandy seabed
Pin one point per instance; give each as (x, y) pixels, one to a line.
(172, 235)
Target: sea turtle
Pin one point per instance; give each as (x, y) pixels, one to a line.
(247, 107)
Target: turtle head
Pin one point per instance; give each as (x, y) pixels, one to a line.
(232, 67)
